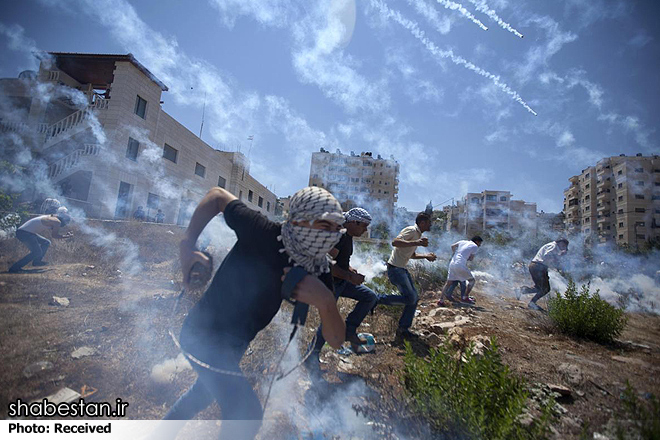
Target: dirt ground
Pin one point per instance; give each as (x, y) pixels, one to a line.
(124, 314)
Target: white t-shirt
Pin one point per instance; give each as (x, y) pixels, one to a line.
(465, 249)
(548, 254)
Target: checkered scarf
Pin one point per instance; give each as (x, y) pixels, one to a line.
(309, 247)
(358, 215)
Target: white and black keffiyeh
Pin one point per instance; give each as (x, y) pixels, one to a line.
(358, 215)
(309, 247)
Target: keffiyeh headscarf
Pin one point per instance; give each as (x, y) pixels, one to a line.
(358, 215)
(309, 247)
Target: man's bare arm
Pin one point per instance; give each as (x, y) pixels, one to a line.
(400, 242)
(213, 203)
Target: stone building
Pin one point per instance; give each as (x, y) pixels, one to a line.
(617, 200)
(97, 123)
(358, 180)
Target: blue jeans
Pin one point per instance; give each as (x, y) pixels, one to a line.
(37, 245)
(234, 394)
(401, 278)
(366, 300)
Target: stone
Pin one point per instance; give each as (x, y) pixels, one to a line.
(456, 336)
(571, 372)
(560, 389)
(82, 352)
(64, 395)
(433, 339)
(60, 301)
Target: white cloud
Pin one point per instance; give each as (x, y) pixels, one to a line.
(566, 139)
(640, 40)
(276, 13)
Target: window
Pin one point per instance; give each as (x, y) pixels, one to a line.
(639, 196)
(491, 198)
(222, 181)
(620, 198)
(587, 186)
(639, 183)
(133, 148)
(170, 153)
(641, 236)
(620, 185)
(639, 170)
(655, 198)
(153, 201)
(588, 208)
(200, 169)
(640, 210)
(141, 107)
(475, 200)
(619, 172)
(657, 183)
(267, 206)
(620, 211)
(503, 199)
(586, 176)
(261, 202)
(620, 236)
(586, 220)
(250, 195)
(587, 198)
(640, 224)
(621, 224)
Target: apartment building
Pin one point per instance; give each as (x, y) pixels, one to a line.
(358, 180)
(97, 121)
(490, 210)
(617, 200)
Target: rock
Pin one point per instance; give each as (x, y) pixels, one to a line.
(82, 352)
(560, 389)
(36, 368)
(629, 360)
(60, 301)
(90, 267)
(571, 372)
(456, 336)
(433, 339)
(441, 311)
(64, 395)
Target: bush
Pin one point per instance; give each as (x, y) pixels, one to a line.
(586, 315)
(467, 396)
(428, 276)
(645, 417)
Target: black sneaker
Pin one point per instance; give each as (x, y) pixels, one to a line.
(404, 333)
(534, 306)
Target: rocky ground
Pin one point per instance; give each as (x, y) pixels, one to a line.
(101, 329)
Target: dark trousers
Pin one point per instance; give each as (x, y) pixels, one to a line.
(233, 393)
(453, 285)
(539, 273)
(37, 245)
(401, 278)
(366, 300)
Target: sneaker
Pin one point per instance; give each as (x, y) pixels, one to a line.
(468, 300)
(404, 333)
(40, 263)
(355, 341)
(534, 306)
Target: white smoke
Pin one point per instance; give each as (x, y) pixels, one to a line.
(481, 6)
(167, 370)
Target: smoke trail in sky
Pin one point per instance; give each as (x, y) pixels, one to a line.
(414, 29)
(459, 7)
(483, 7)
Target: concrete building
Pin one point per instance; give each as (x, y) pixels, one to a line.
(97, 122)
(617, 200)
(490, 210)
(358, 180)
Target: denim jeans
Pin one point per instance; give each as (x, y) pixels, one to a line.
(366, 300)
(37, 245)
(234, 394)
(401, 278)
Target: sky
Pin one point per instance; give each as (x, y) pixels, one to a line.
(450, 89)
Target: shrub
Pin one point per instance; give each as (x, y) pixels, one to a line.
(586, 315)
(428, 276)
(645, 417)
(467, 396)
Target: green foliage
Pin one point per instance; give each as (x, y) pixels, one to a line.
(469, 396)
(428, 277)
(586, 315)
(380, 230)
(644, 416)
(381, 284)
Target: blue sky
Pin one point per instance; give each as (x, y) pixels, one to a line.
(417, 79)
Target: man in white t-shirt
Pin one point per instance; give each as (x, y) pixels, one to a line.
(548, 255)
(404, 250)
(459, 274)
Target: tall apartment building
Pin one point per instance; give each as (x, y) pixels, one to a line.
(97, 123)
(358, 180)
(618, 200)
(490, 210)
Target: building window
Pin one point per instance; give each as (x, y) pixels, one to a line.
(641, 236)
(200, 169)
(587, 186)
(250, 195)
(620, 185)
(639, 196)
(619, 173)
(133, 149)
(639, 183)
(170, 153)
(640, 210)
(587, 198)
(141, 107)
(503, 199)
(620, 236)
(260, 203)
(640, 224)
(222, 181)
(639, 170)
(267, 206)
(621, 224)
(153, 201)
(620, 198)
(588, 208)
(586, 220)
(655, 198)
(586, 176)
(491, 198)
(620, 211)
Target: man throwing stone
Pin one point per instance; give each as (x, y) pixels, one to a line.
(548, 255)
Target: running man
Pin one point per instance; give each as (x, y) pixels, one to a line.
(245, 295)
(547, 255)
(405, 245)
(31, 235)
(459, 274)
